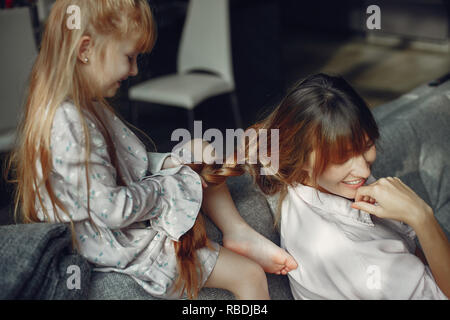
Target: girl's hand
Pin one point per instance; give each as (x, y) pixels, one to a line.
(170, 163)
(391, 198)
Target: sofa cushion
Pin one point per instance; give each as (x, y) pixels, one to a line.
(38, 262)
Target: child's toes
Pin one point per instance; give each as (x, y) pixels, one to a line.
(285, 271)
(291, 264)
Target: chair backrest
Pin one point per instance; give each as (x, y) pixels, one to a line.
(16, 59)
(205, 41)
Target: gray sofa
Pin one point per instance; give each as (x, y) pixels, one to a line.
(414, 146)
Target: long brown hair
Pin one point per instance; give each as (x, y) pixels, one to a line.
(321, 113)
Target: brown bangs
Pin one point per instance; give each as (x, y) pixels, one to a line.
(339, 148)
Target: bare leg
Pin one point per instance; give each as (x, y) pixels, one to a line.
(239, 275)
(238, 236)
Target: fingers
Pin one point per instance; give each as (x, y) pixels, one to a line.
(400, 182)
(390, 198)
(364, 193)
(367, 207)
(368, 199)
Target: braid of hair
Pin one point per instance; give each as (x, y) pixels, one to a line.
(190, 270)
(196, 238)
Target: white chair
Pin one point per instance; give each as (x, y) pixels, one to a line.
(206, 47)
(16, 59)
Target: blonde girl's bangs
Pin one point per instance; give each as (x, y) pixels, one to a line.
(137, 23)
(144, 26)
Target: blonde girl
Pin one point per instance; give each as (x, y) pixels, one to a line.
(78, 163)
(353, 235)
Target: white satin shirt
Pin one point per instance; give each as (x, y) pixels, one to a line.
(345, 253)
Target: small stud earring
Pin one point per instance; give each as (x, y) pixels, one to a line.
(86, 60)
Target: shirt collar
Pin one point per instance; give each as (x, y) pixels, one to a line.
(332, 204)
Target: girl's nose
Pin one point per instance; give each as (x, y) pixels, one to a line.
(361, 167)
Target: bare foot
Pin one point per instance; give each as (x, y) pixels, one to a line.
(247, 242)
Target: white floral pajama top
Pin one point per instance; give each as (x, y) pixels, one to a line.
(136, 223)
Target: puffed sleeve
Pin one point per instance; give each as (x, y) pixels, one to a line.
(170, 200)
(179, 202)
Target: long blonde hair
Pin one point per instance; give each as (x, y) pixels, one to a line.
(55, 77)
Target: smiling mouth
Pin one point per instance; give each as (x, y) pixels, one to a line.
(354, 182)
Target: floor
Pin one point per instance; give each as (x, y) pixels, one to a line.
(380, 73)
